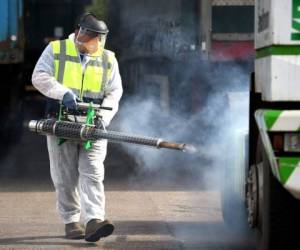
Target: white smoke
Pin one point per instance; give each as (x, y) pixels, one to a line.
(209, 130)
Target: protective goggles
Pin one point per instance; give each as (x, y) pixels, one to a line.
(89, 41)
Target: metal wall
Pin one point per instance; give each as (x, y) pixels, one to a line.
(157, 28)
(155, 39)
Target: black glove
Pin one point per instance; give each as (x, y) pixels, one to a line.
(69, 101)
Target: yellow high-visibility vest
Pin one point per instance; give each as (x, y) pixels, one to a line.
(69, 72)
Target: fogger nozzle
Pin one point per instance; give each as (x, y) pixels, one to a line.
(33, 125)
(79, 131)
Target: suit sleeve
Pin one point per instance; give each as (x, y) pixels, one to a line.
(43, 76)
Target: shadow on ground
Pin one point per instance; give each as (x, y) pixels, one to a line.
(169, 235)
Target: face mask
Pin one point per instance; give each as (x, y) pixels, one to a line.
(88, 42)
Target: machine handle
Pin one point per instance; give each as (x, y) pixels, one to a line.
(85, 106)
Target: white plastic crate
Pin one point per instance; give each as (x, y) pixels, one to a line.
(278, 78)
(276, 22)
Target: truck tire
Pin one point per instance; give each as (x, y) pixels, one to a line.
(233, 208)
(233, 183)
(279, 211)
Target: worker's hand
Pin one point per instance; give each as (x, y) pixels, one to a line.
(70, 100)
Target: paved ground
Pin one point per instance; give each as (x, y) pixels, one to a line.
(144, 219)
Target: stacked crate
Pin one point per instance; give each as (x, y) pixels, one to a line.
(277, 44)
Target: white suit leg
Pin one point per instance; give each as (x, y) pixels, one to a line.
(91, 176)
(64, 174)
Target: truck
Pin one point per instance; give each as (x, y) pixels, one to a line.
(11, 63)
(263, 189)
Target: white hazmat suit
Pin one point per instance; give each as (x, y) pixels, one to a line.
(77, 174)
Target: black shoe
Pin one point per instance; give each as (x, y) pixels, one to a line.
(96, 229)
(74, 231)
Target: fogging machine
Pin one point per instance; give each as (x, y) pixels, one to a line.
(92, 129)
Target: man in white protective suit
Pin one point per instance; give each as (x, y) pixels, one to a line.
(80, 69)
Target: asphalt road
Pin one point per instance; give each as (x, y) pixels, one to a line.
(152, 212)
(144, 220)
